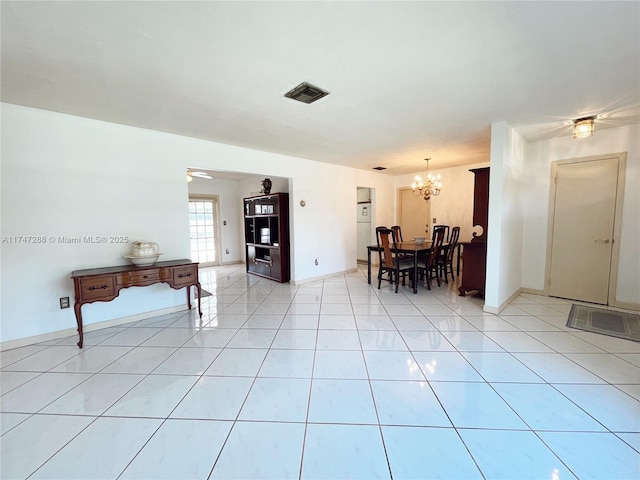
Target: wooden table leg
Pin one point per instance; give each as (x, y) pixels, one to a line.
(199, 287)
(415, 272)
(77, 308)
(369, 266)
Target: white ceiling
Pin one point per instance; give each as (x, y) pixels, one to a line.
(408, 80)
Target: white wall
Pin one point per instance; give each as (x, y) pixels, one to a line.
(252, 187)
(454, 205)
(536, 190)
(66, 175)
(506, 216)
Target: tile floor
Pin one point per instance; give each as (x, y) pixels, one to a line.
(328, 380)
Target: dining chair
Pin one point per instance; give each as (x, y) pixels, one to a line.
(430, 268)
(397, 233)
(390, 263)
(445, 260)
(397, 236)
(446, 232)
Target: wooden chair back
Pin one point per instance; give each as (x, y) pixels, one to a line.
(446, 232)
(453, 241)
(384, 244)
(397, 233)
(436, 245)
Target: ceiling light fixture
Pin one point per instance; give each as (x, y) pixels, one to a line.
(431, 186)
(584, 127)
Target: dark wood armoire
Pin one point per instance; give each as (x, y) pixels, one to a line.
(266, 231)
(474, 253)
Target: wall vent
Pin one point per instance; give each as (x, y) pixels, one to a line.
(306, 93)
(379, 168)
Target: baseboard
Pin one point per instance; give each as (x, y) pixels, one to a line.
(534, 291)
(503, 305)
(616, 304)
(232, 262)
(374, 262)
(322, 277)
(46, 337)
(626, 305)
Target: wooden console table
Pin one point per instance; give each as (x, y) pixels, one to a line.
(104, 284)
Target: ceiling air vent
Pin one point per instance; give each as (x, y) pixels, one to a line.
(379, 168)
(306, 93)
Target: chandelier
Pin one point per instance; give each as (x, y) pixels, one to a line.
(431, 185)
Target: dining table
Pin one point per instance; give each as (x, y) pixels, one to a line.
(406, 248)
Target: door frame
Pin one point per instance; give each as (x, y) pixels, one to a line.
(617, 221)
(215, 199)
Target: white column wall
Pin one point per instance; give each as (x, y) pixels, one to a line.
(506, 216)
(65, 176)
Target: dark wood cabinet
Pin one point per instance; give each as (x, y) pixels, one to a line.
(474, 256)
(266, 231)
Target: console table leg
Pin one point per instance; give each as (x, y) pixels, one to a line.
(199, 287)
(76, 307)
(189, 296)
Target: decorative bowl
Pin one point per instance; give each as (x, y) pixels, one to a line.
(143, 261)
(419, 239)
(145, 249)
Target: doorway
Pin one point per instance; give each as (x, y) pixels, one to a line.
(413, 214)
(586, 207)
(203, 230)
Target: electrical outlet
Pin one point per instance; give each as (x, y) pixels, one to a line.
(434, 220)
(64, 302)
(227, 251)
(316, 261)
(224, 222)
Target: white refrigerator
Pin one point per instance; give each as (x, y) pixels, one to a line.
(364, 230)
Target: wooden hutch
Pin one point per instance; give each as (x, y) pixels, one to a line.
(474, 256)
(266, 231)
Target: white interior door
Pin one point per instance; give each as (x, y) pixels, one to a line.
(413, 214)
(583, 228)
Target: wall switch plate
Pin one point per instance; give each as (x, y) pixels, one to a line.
(434, 220)
(64, 302)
